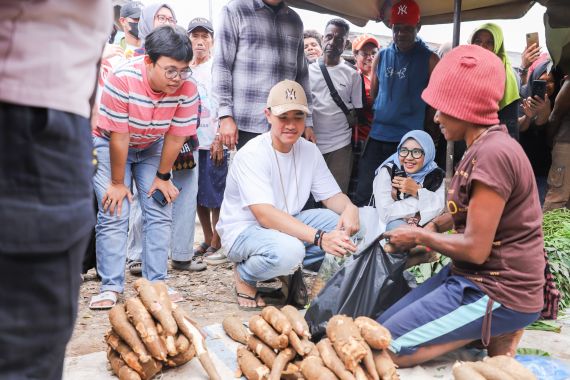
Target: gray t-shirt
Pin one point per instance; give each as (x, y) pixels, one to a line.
(329, 122)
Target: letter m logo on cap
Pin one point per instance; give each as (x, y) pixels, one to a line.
(290, 94)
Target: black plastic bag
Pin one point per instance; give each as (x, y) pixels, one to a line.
(367, 285)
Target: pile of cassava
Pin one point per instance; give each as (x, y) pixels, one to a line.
(278, 347)
(500, 367)
(149, 333)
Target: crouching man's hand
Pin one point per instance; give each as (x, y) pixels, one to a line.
(337, 243)
(349, 220)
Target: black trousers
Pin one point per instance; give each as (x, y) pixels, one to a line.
(38, 308)
(375, 152)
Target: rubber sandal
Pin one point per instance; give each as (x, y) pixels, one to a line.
(135, 267)
(175, 297)
(103, 296)
(249, 298)
(201, 249)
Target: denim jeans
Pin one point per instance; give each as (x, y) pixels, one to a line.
(183, 218)
(262, 253)
(111, 231)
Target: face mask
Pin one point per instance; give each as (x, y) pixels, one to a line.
(134, 29)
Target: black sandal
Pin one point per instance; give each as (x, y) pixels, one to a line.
(249, 298)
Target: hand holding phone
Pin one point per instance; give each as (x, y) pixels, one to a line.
(538, 88)
(532, 38)
(159, 197)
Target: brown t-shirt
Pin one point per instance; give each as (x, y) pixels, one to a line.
(514, 272)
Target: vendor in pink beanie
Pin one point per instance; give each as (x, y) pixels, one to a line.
(493, 286)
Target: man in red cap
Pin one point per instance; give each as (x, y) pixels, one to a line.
(364, 48)
(400, 72)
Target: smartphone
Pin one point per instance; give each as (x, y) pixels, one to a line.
(532, 38)
(159, 197)
(397, 172)
(538, 88)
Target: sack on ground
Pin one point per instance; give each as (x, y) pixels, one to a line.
(367, 285)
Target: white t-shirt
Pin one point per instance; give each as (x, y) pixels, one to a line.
(329, 122)
(208, 117)
(254, 178)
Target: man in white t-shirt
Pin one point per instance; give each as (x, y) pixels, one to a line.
(270, 179)
(329, 120)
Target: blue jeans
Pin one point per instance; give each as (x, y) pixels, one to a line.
(111, 231)
(183, 218)
(262, 253)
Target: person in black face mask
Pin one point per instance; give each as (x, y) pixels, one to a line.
(129, 20)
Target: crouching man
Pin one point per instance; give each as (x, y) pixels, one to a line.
(269, 181)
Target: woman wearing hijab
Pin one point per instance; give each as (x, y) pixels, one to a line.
(408, 187)
(153, 16)
(494, 285)
(490, 37)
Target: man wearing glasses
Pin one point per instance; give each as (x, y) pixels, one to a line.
(148, 109)
(364, 48)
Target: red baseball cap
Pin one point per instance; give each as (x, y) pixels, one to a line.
(405, 12)
(362, 40)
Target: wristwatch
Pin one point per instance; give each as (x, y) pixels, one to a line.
(163, 176)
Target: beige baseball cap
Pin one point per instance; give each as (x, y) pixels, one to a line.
(287, 96)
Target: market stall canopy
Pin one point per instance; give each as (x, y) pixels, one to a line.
(359, 12)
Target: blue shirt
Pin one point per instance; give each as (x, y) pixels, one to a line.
(398, 107)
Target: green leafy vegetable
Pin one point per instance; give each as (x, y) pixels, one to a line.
(556, 228)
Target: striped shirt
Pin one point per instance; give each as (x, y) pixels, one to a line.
(128, 104)
(255, 49)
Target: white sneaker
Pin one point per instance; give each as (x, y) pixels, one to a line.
(215, 257)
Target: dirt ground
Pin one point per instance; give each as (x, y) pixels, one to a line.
(209, 298)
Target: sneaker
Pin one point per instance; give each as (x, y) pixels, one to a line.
(215, 256)
(194, 265)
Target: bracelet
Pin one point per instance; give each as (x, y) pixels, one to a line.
(317, 237)
(321, 240)
(163, 176)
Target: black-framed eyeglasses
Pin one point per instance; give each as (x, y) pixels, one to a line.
(172, 73)
(416, 152)
(164, 19)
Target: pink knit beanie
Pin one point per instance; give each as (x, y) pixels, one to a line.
(468, 84)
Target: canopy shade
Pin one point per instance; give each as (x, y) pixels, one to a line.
(432, 11)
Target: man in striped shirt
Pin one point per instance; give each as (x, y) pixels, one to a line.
(149, 107)
(259, 43)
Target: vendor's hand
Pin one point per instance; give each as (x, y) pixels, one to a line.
(217, 151)
(529, 55)
(114, 197)
(401, 239)
(228, 132)
(337, 243)
(406, 185)
(430, 226)
(167, 188)
(349, 220)
(310, 135)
